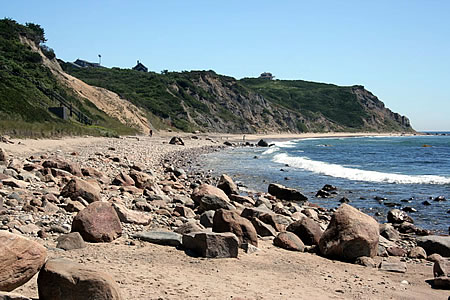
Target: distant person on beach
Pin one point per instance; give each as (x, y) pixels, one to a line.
(151, 133)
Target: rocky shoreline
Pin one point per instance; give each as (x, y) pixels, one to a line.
(145, 193)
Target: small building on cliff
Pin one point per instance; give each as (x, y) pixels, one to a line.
(266, 75)
(80, 63)
(140, 67)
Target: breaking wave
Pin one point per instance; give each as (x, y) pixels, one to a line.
(339, 171)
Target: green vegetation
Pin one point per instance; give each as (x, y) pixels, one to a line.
(28, 88)
(169, 96)
(336, 103)
(187, 101)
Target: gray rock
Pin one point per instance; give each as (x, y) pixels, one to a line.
(262, 228)
(207, 218)
(396, 216)
(435, 244)
(212, 244)
(390, 266)
(212, 202)
(191, 226)
(388, 231)
(285, 193)
(70, 241)
(165, 238)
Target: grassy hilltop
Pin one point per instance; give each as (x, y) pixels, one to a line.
(187, 101)
(28, 88)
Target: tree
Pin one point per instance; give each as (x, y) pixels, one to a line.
(37, 32)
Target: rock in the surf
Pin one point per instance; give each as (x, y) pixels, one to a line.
(396, 216)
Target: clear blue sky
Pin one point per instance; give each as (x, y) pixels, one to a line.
(399, 50)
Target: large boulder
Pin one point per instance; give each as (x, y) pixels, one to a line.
(212, 244)
(209, 197)
(227, 185)
(61, 279)
(77, 187)
(230, 221)
(72, 168)
(349, 235)
(262, 143)
(307, 230)
(98, 222)
(435, 244)
(285, 193)
(289, 241)
(20, 259)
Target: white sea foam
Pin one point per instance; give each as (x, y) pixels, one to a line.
(286, 144)
(271, 150)
(339, 171)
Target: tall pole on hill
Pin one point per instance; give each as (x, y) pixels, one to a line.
(99, 60)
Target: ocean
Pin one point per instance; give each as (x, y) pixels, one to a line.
(406, 170)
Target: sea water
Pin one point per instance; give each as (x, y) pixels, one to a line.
(406, 170)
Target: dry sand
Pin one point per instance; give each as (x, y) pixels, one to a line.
(148, 271)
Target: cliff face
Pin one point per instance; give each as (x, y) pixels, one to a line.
(379, 117)
(204, 100)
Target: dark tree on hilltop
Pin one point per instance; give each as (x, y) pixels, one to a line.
(37, 32)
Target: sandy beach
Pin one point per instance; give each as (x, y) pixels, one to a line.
(148, 271)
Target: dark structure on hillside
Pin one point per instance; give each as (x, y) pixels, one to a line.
(85, 64)
(140, 67)
(61, 112)
(266, 75)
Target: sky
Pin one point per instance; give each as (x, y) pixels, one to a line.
(399, 50)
